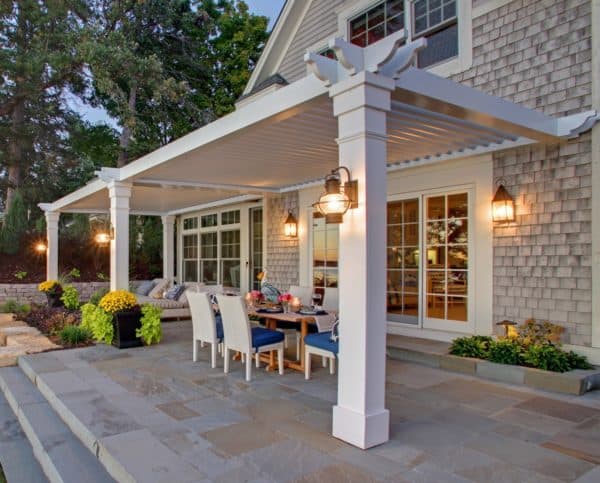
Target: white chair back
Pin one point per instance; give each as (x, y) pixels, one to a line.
(236, 326)
(203, 316)
(303, 293)
(331, 301)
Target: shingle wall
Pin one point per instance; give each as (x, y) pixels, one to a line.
(538, 54)
(282, 252)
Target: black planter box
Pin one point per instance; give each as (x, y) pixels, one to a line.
(125, 324)
(54, 299)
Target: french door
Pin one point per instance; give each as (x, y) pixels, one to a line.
(428, 249)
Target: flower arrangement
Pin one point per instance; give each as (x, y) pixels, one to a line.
(118, 301)
(285, 299)
(50, 286)
(256, 295)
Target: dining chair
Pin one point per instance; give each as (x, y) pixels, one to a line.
(240, 336)
(322, 344)
(305, 295)
(206, 326)
(331, 301)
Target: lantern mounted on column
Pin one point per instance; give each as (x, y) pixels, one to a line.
(290, 227)
(104, 237)
(41, 248)
(503, 205)
(337, 198)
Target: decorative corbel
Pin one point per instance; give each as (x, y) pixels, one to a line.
(108, 174)
(350, 56)
(572, 126)
(401, 58)
(324, 68)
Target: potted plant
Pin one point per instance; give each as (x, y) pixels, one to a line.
(53, 290)
(126, 317)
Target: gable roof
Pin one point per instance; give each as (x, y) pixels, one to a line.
(283, 33)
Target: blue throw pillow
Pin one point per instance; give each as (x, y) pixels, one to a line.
(175, 292)
(144, 288)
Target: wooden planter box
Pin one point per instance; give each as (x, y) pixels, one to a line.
(125, 325)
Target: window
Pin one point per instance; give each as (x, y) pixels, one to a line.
(256, 246)
(436, 20)
(208, 258)
(230, 217)
(230, 258)
(208, 221)
(325, 253)
(190, 223)
(190, 258)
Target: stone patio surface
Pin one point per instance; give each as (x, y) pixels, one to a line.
(173, 420)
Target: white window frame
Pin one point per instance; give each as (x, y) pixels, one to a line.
(464, 13)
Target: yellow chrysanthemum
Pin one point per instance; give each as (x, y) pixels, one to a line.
(117, 301)
(48, 286)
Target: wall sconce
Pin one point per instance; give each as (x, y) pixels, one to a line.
(40, 247)
(337, 198)
(503, 206)
(290, 227)
(103, 238)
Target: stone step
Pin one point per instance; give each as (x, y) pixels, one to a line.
(16, 454)
(10, 335)
(61, 455)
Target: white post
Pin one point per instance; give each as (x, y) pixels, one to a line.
(361, 103)
(168, 223)
(119, 194)
(52, 218)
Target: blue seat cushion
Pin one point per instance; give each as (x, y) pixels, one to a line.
(219, 324)
(322, 341)
(262, 336)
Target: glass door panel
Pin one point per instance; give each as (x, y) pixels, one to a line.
(256, 247)
(190, 258)
(230, 258)
(208, 260)
(447, 248)
(403, 261)
(325, 253)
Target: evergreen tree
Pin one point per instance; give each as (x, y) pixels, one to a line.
(14, 226)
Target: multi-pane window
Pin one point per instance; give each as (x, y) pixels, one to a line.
(209, 258)
(325, 253)
(190, 258)
(436, 20)
(447, 237)
(230, 217)
(230, 258)
(208, 221)
(403, 261)
(380, 21)
(190, 223)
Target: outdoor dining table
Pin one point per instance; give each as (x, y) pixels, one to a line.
(271, 319)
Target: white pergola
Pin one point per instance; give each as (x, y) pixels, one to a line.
(370, 111)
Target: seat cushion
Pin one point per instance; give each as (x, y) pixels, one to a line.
(145, 287)
(262, 336)
(322, 341)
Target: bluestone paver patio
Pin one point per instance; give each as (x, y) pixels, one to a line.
(163, 417)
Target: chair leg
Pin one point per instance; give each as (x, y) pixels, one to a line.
(298, 345)
(285, 340)
(195, 351)
(332, 366)
(324, 361)
(280, 361)
(257, 357)
(226, 362)
(213, 354)
(242, 357)
(306, 365)
(248, 367)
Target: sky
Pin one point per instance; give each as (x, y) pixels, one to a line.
(268, 8)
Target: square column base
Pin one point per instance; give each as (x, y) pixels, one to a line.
(361, 430)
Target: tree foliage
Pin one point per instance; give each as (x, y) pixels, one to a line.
(14, 226)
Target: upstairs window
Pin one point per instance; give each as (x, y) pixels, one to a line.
(436, 20)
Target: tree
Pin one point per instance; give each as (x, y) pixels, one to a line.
(14, 227)
(38, 62)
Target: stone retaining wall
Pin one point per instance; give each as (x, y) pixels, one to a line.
(28, 292)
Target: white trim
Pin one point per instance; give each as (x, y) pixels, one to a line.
(488, 6)
(396, 328)
(215, 204)
(194, 184)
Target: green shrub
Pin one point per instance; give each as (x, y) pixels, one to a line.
(578, 362)
(14, 227)
(547, 357)
(151, 330)
(476, 346)
(74, 335)
(70, 297)
(20, 275)
(505, 351)
(98, 322)
(13, 307)
(97, 295)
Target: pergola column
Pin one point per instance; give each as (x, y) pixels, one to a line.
(52, 218)
(360, 104)
(119, 194)
(168, 223)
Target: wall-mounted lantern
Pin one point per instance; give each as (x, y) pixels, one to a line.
(337, 198)
(104, 237)
(40, 247)
(503, 206)
(290, 227)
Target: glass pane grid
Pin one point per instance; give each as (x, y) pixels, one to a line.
(325, 253)
(380, 21)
